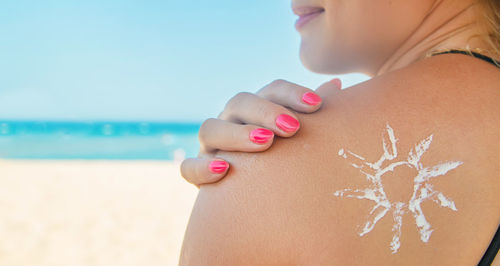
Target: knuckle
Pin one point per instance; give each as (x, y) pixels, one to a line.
(204, 128)
(274, 89)
(222, 115)
(269, 92)
(241, 96)
(278, 82)
(236, 100)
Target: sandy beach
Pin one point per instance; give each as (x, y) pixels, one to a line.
(92, 212)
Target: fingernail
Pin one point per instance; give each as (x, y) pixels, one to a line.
(311, 98)
(337, 82)
(287, 123)
(218, 167)
(261, 135)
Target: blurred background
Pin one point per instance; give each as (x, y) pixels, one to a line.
(99, 103)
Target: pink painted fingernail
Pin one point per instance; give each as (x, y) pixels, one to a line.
(311, 98)
(287, 123)
(261, 135)
(218, 167)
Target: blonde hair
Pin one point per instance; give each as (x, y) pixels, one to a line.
(490, 23)
(488, 14)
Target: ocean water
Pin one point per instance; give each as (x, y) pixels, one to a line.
(98, 140)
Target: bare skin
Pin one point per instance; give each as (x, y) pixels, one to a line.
(278, 207)
(369, 44)
(436, 32)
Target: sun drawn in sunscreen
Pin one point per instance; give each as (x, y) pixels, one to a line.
(422, 189)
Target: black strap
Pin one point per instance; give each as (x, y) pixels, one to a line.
(494, 246)
(478, 55)
(492, 250)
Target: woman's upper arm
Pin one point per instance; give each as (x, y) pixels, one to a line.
(328, 195)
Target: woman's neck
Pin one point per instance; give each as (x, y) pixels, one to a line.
(448, 25)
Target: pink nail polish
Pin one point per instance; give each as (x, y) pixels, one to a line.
(311, 98)
(261, 135)
(218, 167)
(287, 123)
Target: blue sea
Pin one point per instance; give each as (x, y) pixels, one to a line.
(98, 140)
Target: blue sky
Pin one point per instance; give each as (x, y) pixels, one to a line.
(155, 60)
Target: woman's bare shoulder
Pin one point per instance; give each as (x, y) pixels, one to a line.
(401, 169)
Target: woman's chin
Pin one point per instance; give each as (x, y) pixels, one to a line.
(320, 65)
(332, 64)
(311, 62)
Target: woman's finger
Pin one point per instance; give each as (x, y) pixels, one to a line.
(203, 170)
(216, 134)
(294, 96)
(329, 88)
(248, 108)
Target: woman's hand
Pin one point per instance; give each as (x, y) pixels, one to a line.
(248, 123)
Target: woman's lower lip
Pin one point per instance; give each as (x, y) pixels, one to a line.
(301, 21)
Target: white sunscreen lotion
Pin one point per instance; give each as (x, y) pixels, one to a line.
(422, 189)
